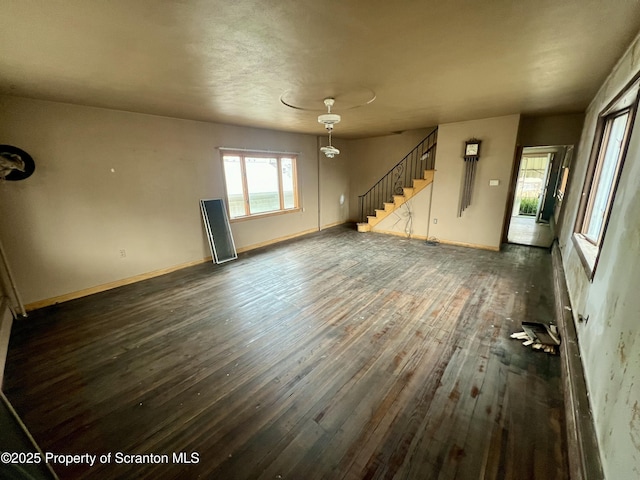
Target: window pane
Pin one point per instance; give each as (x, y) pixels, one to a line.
(262, 182)
(605, 180)
(563, 183)
(530, 184)
(288, 172)
(233, 179)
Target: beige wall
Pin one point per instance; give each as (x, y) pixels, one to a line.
(63, 228)
(551, 130)
(610, 341)
(411, 219)
(481, 223)
(334, 184)
(371, 158)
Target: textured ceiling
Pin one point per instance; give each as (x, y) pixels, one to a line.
(428, 61)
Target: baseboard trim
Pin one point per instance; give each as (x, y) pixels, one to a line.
(469, 245)
(111, 285)
(145, 276)
(582, 444)
(277, 240)
(399, 234)
(334, 224)
(445, 242)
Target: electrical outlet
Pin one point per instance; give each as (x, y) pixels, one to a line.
(435, 220)
(123, 253)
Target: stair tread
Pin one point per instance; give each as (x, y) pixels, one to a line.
(417, 184)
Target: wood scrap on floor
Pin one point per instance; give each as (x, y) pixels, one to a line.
(539, 336)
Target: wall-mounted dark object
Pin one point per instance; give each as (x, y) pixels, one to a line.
(15, 163)
(471, 157)
(583, 319)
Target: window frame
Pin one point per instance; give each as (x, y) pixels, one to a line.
(562, 182)
(626, 102)
(279, 156)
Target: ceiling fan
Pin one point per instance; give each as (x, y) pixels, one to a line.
(329, 120)
(15, 163)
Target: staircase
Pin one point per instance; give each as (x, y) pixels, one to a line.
(408, 177)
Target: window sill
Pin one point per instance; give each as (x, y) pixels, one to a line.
(264, 215)
(588, 254)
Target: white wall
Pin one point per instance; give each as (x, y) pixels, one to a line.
(610, 341)
(63, 228)
(481, 223)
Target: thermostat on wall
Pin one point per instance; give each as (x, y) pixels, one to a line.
(494, 183)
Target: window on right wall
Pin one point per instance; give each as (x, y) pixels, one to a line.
(614, 128)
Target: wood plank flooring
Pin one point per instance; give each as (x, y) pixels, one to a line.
(336, 356)
(526, 231)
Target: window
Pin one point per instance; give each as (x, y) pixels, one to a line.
(600, 196)
(612, 137)
(259, 183)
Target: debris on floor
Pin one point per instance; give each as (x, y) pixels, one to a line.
(539, 336)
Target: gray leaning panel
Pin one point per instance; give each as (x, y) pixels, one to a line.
(216, 223)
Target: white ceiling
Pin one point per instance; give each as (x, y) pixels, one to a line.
(428, 61)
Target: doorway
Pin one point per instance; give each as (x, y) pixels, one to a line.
(534, 208)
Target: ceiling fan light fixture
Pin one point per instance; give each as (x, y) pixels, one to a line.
(330, 151)
(329, 120)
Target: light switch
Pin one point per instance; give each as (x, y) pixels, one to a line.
(494, 183)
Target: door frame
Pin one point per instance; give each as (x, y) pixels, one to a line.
(517, 162)
(511, 195)
(542, 198)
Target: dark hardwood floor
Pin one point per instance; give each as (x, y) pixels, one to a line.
(336, 356)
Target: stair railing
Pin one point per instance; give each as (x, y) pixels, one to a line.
(412, 166)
